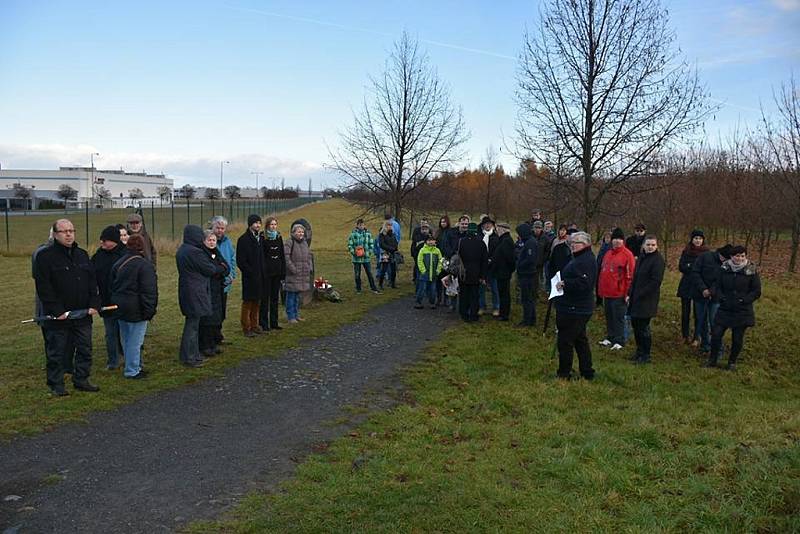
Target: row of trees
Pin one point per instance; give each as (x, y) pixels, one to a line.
(234, 192)
(609, 128)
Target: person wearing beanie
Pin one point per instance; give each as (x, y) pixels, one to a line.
(134, 289)
(693, 249)
(110, 252)
(737, 287)
(418, 239)
(704, 275)
(614, 280)
(643, 297)
(475, 262)
(429, 264)
(250, 261)
(136, 226)
(360, 246)
(634, 243)
(527, 253)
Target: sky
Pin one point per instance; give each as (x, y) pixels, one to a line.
(177, 87)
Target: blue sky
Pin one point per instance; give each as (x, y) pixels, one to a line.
(176, 87)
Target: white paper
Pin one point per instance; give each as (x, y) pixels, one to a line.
(554, 291)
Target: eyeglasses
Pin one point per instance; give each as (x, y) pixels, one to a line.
(134, 222)
(65, 231)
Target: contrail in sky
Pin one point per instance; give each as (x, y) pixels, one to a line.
(364, 30)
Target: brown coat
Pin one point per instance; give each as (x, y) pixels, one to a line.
(298, 265)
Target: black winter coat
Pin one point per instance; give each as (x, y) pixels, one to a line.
(446, 243)
(634, 244)
(134, 288)
(685, 264)
(645, 289)
(579, 277)
(560, 256)
(736, 293)
(503, 258)
(274, 258)
(527, 255)
(388, 243)
(103, 261)
(250, 260)
(705, 272)
(475, 259)
(217, 288)
(542, 250)
(65, 280)
(195, 270)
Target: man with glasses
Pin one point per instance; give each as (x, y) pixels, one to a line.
(136, 226)
(65, 282)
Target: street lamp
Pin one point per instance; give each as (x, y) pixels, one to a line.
(257, 173)
(221, 163)
(90, 189)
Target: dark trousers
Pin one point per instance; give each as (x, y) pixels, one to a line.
(190, 340)
(615, 319)
(218, 337)
(207, 337)
(572, 335)
(268, 314)
(643, 336)
(686, 317)
(64, 341)
(357, 274)
(426, 288)
(468, 299)
(504, 292)
(387, 269)
(737, 342)
(527, 288)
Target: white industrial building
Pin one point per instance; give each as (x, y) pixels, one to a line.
(87, 181)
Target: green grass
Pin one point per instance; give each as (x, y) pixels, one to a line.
(491, 441)
(25, 404)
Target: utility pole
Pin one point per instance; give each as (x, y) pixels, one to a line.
(221, 163)
(257, 173)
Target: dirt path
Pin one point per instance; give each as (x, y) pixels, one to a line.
(191, 453)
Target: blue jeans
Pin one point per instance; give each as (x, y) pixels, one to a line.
(425, 287)
(357, 273)
(112, 341)
(492, 283)
(292, 304)
(132, 339)
(615, 319)
(704, 312)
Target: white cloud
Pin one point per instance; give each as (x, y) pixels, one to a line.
(787, 5)
(194, 169)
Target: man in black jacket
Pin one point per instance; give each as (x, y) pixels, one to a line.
(475, 260)
(635, 242)
(502, 267)
(542, 255)
(574, 308)
(250, 260)
(65, 282)
(526, 274)
(110, 251)
(705, 272)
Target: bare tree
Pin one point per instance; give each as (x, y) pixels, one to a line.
(164, 192)
(212, 193)
(232, 191)
(407, 131)
(782, 135)
(135, 193)
(187, 191)
(602, 82)
(67, 192)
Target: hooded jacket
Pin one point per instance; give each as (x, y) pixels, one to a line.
(217, 288)
(736, 292)
(360, 238)
(527, 257)
(429, 263)
(503, 259)
(103, 260)
(225, 247)
(195, 269)
(616, 273)
(134, 288)
(299, 265)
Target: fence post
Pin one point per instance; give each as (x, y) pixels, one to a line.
(172, 210)
(187, 211)
(8, 234)
(153, 218)
(87, 225)
(201, 214)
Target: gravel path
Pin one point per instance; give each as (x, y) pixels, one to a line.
(190, 453)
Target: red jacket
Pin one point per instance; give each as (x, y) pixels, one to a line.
(616, 273)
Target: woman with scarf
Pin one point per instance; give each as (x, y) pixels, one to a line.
(694, 248)
(274, 272)
(444, 242)
(211, 325)
(387, 241)
(560, 252)
(737, 287)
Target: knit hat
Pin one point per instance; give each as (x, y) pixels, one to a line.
(136, 244)
(253, 218)
(537, 224)
(725, 251)
(617, 233)
(424, 224)
(697, 233)
(640, 226)
(110, 233)
(472, 228)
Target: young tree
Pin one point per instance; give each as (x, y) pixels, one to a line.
(103, 193)
(187, 191)
(407, 131)
(22, 191)
(164, 192)
(135, 193)
(601, 83)
(67, 192)
(212, 193)
(233, 191)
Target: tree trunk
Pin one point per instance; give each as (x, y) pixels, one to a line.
(795, 244)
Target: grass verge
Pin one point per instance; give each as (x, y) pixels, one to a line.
(492, 441)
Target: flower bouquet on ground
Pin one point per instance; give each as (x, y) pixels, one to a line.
(323, 290)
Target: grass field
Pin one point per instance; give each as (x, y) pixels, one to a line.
(492, 442)
(25, 404)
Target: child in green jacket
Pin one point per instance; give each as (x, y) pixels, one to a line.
(429, 265)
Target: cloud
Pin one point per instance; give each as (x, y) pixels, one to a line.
(197, 170)
(787, 5)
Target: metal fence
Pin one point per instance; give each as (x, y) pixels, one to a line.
(162, 219)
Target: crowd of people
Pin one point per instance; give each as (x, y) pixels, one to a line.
(470, 267)
(119, 283)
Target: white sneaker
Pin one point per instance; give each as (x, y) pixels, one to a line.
(605, 343)
(616, 346)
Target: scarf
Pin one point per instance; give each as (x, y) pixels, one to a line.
(272, 234)
(694, 251)
(736, 268)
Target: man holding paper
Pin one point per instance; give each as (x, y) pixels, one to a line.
(574, 308)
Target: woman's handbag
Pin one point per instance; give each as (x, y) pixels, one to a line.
(360, 252)
(398, 258)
